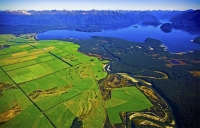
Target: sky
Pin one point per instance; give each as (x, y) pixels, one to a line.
(99, 4)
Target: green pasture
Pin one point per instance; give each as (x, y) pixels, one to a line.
(69, 47)
(29, 117)
(124, 100)
(4, 56)
(27, 63)
(26, 38)
(5, 62)
(76, 89)
(38, 70)
(74, 62)
(29, 73)
(97, 115)
(61, 116)
(6, 37)
(61, 91)
(52, 101)
(44, 83)
(61, 54)
(71, 59)
(13, 49)
(4, 78)
(11, 97)
(57, 65)
(88, 106)
(12, 39)
(97, 69)
(22, 55)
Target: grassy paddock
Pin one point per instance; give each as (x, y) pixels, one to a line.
(124, 100)
(63, 91)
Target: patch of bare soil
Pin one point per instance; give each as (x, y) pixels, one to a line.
(11, 113)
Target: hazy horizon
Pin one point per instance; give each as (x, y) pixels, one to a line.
(99, 5)
(95, 10)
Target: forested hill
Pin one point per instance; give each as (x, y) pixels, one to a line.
(33, 21)
(188, 21)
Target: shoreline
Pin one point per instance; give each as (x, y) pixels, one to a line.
(165, 48)
(35, 36)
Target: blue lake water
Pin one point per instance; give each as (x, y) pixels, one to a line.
(176, 41)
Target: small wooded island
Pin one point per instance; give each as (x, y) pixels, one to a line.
(166, 27)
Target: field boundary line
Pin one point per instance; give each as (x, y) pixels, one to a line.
(31, 100)
(10, 52)
(61, 59)
(25, 60)
(16, 51)
(30, 65)
(62, 102)
(33, 46)
(43, 76)
(27, 55)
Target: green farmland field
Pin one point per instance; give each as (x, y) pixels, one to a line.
(27, 63)
(48, 83)
(124, 100)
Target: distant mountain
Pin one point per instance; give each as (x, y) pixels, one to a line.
(75, 17)
(166, 14)
(94, 20)
(188, 16)
(189, 21)
(142, 16)
(80, 20)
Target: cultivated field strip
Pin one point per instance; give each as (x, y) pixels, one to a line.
(56, 84)
(28, 55)
(27, 63)
(31, 100)
(123, 100)
(37, 70)
(51, 76)
(60, 59)
(61, 102)
(13, 50)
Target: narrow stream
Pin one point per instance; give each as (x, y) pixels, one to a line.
(115, 57)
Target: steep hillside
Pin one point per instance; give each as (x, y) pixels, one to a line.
(189, 21)
(165, 14)
(81, 20)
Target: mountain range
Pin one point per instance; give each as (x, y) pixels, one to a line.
(95, 20)
(188, 21)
